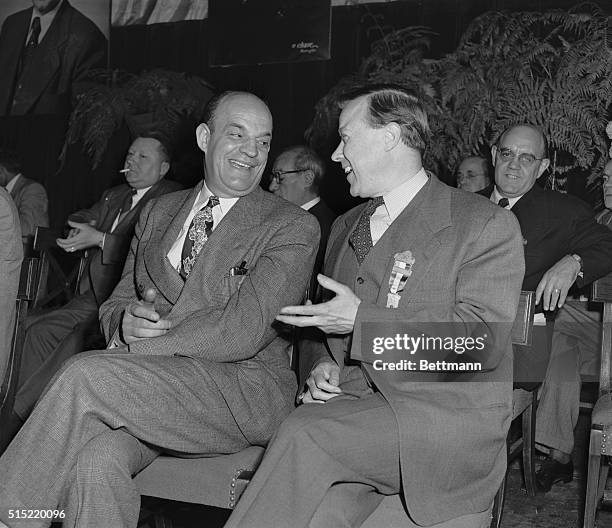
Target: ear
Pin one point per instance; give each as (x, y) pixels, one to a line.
(393, 135)
(165, 167)
(308, 177)
(493, 154)
(203, 136)
(543, 166)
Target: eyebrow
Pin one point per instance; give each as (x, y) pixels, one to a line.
(241, 127)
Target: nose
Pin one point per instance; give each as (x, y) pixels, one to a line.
(514, 162)
(273, 185)
(337, 154)
(249, 148)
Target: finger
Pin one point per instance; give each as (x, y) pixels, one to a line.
(540, 291)
(135, 334)
(562, 297)
(144, 312)
(133, 323)
(149, 295)
(299, 321)
(323, 384)
(334, 378)
(309, 399)
(304, 309)
(77, 225)
(551, 296)
(330, 283)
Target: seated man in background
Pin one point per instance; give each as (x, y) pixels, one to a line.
(563, 245)
(297, 174)
(199, 369)
(105, 231)
(11, 254)
(473, 174)
(575, 354)
(418, 253)
(29, 196)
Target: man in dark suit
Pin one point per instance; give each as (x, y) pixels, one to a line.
(564, 245)
(29, 196)
(105, 231)
(44, 51)
(199, 367)
(417, 253)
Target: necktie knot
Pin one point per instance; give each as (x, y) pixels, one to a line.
(374, 204)
(34, 32)
(503, 202)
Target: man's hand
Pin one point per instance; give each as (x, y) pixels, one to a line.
(141, 320)
(81, 236)
(322, 383)
(332, 317)
(556, 282)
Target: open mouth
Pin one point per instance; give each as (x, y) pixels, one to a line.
(347, 170)
(240, 165)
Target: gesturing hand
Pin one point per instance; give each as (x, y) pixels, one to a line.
(141, 320)
(336, 316)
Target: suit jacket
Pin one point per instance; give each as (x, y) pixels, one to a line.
(72, 45)
(468, 266)
(325, 217)
(11, 255)
(218, 316)
(554, 225)
(104, 266)
(32, 204)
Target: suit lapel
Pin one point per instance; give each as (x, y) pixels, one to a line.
(19, 184)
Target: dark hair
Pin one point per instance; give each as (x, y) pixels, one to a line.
(210, 111)
(534, 128)
(392, 103)
(164, 144)
(10, 160)
(307, 159)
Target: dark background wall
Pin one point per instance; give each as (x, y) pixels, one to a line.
(291, 89)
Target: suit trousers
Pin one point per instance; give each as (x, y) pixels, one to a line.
(106, 415)
(328, 465)
(575, 355)
(46, 331)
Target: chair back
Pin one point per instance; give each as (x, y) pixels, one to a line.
(522, 330)
(602, 292)
(28, 285)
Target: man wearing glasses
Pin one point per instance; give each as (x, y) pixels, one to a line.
(564, 245)
(297, 174)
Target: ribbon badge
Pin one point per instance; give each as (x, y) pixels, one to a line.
(402, 269)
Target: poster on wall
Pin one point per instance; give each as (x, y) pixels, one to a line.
(98, 11)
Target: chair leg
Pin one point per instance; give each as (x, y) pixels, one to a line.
(528, 426)
(498, 504)
(592, 489)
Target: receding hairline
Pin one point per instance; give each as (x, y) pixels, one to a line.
(215, 103)
(538, 131)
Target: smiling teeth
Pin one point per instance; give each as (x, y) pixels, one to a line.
(240, 164)
(347, 169)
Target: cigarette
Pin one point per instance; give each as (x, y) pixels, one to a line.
(125, 170)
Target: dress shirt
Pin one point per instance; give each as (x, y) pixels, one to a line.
(135, 199)
(396, 201)
(496, 197)
(45, 21)
(309, 205)
(10, 185)
(218, 212)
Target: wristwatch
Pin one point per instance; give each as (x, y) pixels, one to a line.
(578, 259)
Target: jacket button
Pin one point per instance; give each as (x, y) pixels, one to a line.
(360, 280)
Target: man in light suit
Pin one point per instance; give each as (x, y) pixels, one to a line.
(417, 253)
(199, 367)
(44, 51)
(105, 231)
(29, 196)
(11, 255)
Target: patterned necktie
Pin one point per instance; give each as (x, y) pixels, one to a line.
(32, 43)
(361, 237)
(503, 202)
(197, 235)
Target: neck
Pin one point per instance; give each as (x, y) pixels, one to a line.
(307, 196)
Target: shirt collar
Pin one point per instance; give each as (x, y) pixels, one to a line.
(45, 20)
(311, 203)
(496, 197)
(398, 198)
(225, 204)
(11, 185)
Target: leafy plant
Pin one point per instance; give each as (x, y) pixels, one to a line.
(159, 99)
(552, 69)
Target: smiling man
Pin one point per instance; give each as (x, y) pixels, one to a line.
(363, 433)
(564, 245)
(198, 368)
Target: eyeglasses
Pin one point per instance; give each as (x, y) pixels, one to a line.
(277, 176)
(525, 159)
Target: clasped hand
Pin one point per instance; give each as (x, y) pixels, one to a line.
(81, 236)
(336, 316)
(141, 320)
(322, 383)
